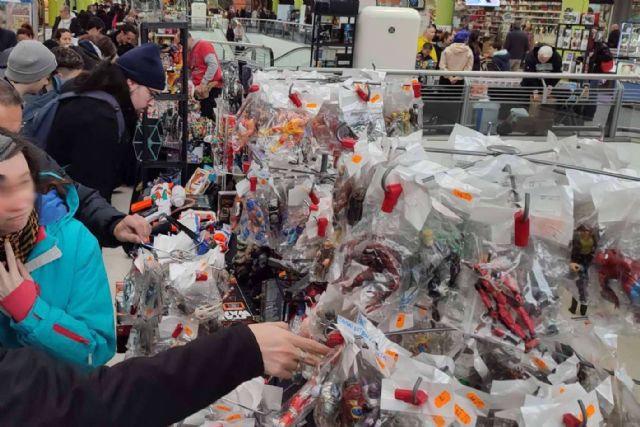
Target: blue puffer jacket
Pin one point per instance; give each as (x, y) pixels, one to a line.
(72, 317)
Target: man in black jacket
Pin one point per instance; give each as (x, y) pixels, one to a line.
(125, 38)
(110, 226)
(542, 59)
(152, 392)
(517, 44)
(7, 38)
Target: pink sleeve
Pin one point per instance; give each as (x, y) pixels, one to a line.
(19, 302)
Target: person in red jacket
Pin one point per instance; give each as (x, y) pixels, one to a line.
(206, 74)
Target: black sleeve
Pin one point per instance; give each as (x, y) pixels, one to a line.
(75, 28)
(55, 26)
(94, 211)
(39, 391)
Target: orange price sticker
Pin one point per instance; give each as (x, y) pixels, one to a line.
(442, 399)
(539, 363)
(407, 88)
(375, 99)
(234, 417)
(380, 363)
(562, 390)
(356, 158)
(392, 354)
(312, 105)
(223, 408)
(462, 195)
(462, 415)
(440, 422)
(188, 331)
(591, 410)
(475, 399)
(400, 320)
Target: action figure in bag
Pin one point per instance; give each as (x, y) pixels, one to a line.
(583, 249)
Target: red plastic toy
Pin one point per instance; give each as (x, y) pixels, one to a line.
(613, 265)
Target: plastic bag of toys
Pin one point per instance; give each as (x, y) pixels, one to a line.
(399, 114)
(503, 299)
(361, 102)
(617, 257)
(142, 299)
(254, 221)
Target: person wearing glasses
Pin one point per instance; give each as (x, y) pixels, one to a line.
(86, 137)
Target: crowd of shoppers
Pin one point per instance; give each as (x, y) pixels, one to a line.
(57, 323)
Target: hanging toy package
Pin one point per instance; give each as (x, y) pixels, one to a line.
(254, 222)
(617, 257)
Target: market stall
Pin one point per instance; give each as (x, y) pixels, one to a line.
(476, 281)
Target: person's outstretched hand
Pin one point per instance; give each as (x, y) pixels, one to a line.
(283, 352)
(132, 229)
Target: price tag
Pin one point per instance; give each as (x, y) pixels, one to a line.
(462, 194)
(400, 319)
(375, 98)
(439, 421)
(462, 415)
(442, 399)
(475, 399)
(223, 408)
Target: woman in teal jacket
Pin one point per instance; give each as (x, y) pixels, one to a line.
(54, 290)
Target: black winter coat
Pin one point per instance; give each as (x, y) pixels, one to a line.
(533, 65)
(517, 43)
(94, 211)
(7, 39)
(84, 140)
(40, 391)
(74, 27)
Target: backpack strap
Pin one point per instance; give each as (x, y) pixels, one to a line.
(100, 96)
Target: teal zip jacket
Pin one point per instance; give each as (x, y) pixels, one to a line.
(67, 309)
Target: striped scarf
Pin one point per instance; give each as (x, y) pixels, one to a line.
(24, 240)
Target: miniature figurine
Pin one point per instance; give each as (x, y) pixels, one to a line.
(615, 266)
(583, 248)
(324, 257)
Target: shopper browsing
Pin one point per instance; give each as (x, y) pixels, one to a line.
(110, 226)
(29, 66)
(25, 32)
(542, 59)
(457, 57)
(63, 37)
(154, 391)
(86, 135)
(517, 44)
(125, 38)
(95, 26)
(66, 21)
(7, 38)
(206, 74)
(499, 56)
(54, 290)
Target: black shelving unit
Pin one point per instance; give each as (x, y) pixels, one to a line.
(325, 36)
(147, 162)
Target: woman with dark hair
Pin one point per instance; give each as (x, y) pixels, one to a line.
(63, 37)
(91, 137)
(54, 290)
(25, 32)
(476, 48)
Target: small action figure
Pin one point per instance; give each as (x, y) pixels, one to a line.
(615, 266)
(583, 248)
(324, 257)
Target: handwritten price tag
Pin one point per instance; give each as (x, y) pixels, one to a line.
(462, 415)
(442, 399)
(475, 399)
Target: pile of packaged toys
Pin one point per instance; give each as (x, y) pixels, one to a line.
(471, 282)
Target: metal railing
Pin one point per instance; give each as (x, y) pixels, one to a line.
(257, 53)
(596, 105)
(298, 57)
(293, 31)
